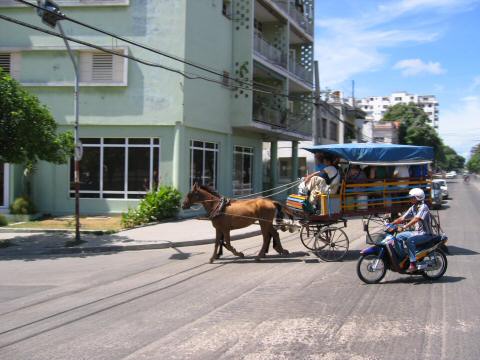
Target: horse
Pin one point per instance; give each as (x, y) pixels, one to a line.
(238, 214)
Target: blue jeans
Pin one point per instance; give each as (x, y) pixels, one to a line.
(410, 239)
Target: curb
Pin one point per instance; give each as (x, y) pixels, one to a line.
(118, 248)
(59, 231)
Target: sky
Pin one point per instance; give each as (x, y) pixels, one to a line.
(424, 47)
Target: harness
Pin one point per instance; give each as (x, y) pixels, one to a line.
(220, 208)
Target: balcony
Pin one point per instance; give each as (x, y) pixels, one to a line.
(266, 112)
(268, 51)
(301, 20)
(300, 72)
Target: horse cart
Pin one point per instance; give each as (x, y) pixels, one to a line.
(380, 194)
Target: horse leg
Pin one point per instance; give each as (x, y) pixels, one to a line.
(228, 246)
(277, 245)
(266, 241)
(216, 253)
(220, 246)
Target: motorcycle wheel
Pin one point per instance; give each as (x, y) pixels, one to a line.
(367, 273)
(440, 261)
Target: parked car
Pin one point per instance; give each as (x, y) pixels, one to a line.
(436, 195)
(443, 187)
(451, 175)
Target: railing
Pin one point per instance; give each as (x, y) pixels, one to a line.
(301, 20)
(282, 4)
(268, 51)
(264, 111)
(300, 71)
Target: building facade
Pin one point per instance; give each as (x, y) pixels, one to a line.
(140, 125)
(376, 106)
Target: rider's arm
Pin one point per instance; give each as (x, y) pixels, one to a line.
(308, 177)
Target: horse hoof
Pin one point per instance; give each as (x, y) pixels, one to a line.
(211, 261)
(241, 255)
(285, 252)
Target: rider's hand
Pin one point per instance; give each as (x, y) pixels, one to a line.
(400, 228)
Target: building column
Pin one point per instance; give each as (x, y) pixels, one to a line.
(274, 164)
(179, 132)
(294, 174)
(228, 170)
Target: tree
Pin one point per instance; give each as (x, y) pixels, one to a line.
(473, 164)
(452, 161)
(414, 128)
(28, 132)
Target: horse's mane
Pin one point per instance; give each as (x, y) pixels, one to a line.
(210, 190)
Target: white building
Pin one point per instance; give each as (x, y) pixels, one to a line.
(376, 106)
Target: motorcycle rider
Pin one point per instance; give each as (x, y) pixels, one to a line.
(418, 215)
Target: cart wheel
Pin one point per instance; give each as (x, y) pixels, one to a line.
(374, 227)
(331, 244)
(307, 235)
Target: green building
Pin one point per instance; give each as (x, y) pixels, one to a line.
(143, 125)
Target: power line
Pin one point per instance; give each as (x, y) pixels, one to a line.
(247, 84)
(152, 64)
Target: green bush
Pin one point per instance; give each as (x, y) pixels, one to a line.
(3, 220)
(157, 205)
(22, 206)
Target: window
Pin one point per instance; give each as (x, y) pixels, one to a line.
(203, 163)
(333, 131)
(102, 68)
(10, 63)
(324, 127)
(117, 167)
(285, 169)
(378, 139)
(398, 99)
(5, 62)
(242, 170)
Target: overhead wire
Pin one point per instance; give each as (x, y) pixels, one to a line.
(190, 76)
(248, 85)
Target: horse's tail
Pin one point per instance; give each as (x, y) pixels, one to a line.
(281, 211)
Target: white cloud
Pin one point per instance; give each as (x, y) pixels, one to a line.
(460, 125)
(412, 67)
(349, 46)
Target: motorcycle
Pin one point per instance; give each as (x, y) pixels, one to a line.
(385, 255)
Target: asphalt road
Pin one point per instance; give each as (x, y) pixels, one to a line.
(172, 304)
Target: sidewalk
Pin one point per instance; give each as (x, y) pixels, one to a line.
(180, 233)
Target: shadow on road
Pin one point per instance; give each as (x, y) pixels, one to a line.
(416, 280)
(457, 250)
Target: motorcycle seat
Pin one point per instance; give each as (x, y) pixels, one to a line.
(435, 240)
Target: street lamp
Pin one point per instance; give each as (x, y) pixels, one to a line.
(50, 14)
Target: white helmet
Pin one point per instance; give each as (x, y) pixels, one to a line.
(417, 193)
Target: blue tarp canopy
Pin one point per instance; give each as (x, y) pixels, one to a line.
(379, 154)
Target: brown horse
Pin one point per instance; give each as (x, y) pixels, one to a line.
(237, 215)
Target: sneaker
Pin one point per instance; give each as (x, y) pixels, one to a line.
(412, 268)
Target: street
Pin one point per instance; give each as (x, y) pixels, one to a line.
(173, 304)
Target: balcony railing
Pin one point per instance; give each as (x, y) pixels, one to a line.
(282, 4)
(267, 113)
(300, 72)
(269, 52)
(301, 20)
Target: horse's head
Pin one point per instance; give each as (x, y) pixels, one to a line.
(193, 197)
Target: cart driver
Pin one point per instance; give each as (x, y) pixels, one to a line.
(323, 181)
(418, 215)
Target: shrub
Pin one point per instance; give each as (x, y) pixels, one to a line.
(3, 220)
(22, 206)
(157, 205)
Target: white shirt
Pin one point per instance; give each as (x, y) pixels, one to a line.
(401, 171)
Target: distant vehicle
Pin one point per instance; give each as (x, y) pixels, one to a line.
(443, 187)
(451, 175)
(436, 195)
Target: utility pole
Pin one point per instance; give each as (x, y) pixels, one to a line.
(50, 14)
(317, 118)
